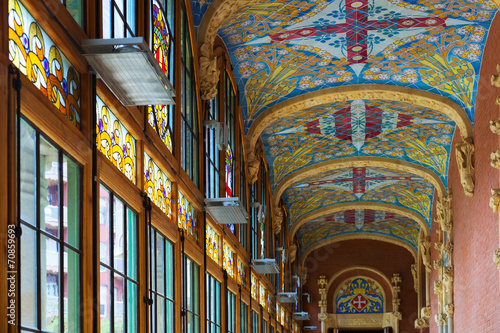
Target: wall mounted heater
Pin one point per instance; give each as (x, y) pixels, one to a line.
(265, 266)
(226, 210)
(129, 69)
(288, 297)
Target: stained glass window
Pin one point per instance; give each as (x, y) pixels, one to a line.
(34, 53)
(229, 172)
(282, 275)
(161, 118)
(157, 186)
(282, 316)
(212, 243)
(115, 141)
(253, 288)
(278, 313)
(241, 273)
(188, 217)
(75, 8)
(228, 263)
(269, 302)
(262, 295)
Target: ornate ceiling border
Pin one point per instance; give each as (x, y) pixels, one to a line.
(359, 161)
(340, 238)
(362, 91)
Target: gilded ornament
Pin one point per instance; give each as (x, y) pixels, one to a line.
(465, 160)
(495, 200)
(209, 73)
(421, 323)
(495, 159)
(496, 258)
(448, 277)
(495, 79)
(253, 163)
(495, 124)
(426, 312)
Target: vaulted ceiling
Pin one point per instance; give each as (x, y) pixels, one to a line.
(356, 103)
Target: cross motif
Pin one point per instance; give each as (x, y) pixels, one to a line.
(359, 180)
(359, 302)
(356, 28)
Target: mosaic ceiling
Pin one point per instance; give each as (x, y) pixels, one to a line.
(366, 221)
(360, 184)
(287, 48)
(359, 128)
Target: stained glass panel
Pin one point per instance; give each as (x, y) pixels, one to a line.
(282, 316)
(262, 241)
(35, 54)
(278, 313)
(161, 37)
(188, 217)
(253, 287)
(115, 141)
(241, 273)
(262, 295)
(269, 303)
(228, 263)
(160, 118)
(212, 243)
(229, 172)
(157, 186)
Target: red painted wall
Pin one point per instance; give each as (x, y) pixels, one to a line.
(476, 230)
(387, 258)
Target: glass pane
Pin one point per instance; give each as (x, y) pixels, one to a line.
(71, 202)
(104, 224)
(27, 170)
(160, 269)
(131, 16)
(106, 18)
(131, 245)
(170, 317)
(29, 274)
(131, 307)
(119, 27)
(105, 300)
(71, 291)
(74, 7)
(119, 293)
(118, 235)
(160, 314)
(49, 188)
(169, 275)
(49, 284)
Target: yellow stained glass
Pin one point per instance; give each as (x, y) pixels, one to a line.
(212, 243)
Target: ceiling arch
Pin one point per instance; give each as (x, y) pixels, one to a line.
(340, 238)
(352, 268)
(355, 92)
(326, 211)
(358, 161)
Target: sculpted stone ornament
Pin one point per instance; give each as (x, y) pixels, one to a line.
(496, 258)
(293, 252)
(421, 323)
(253, 162)
(426, 312)
(425, 248)
(278, 221)
(495, 79)
(465, 160)
(441, 319)
(438, 287)
(438, 263)
(443, 212)
(415, 277)
(495, 159)
(495, 124)
(448, 278)
(304, 275)
(495, 200)
(209, 73)
(449, 310)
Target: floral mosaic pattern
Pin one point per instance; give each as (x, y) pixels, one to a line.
(288, 48)
(35, 54)
(363, 184)
(360, 295)
(358, 221)
(157, 186)
(115, 141)
(359, 128)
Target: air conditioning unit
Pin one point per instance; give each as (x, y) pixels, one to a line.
(129, 69)
(265, 266)
(301, 316)
(221, 132)
(226, 210)
(309, 328)
(290, 297)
